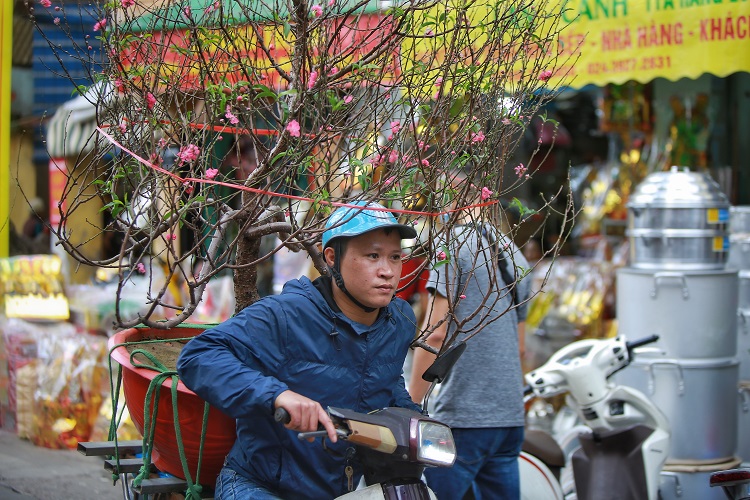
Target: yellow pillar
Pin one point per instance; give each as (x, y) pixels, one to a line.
(6, 55)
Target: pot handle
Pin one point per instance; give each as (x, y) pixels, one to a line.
(652, 378)
(672, 276)
(676, 478)
(744, 393)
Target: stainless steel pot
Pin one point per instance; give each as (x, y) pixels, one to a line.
(687, 481)
(739, 251)
(678, 220)
(743, 325)
(739, 220)
(743, 419)
(698, 397)
(693, 312)
(678, 249)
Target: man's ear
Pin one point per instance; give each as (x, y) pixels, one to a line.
(330, 255)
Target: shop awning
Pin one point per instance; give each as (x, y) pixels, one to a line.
(621, 40)
(72, 129)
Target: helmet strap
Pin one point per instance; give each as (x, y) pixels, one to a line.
(336, 274)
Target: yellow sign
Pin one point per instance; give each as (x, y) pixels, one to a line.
(31, 287)
(621, 40)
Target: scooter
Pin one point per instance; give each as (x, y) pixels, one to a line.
(734, 482)
(394, 445)
(627, 439)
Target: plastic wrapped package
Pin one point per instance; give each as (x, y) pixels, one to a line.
(575, 303)
(72, 382)
(25, 386)
(20, 338)
(124, 426)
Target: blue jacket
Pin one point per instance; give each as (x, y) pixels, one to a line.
(298, 341)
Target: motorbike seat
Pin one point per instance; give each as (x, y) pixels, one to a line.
(544, 447)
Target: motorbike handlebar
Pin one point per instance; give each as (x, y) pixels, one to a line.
(282, 416)
(641, 342)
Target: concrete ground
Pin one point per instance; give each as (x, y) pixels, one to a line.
(29, 472)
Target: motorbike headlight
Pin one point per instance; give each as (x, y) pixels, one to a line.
(434, 443)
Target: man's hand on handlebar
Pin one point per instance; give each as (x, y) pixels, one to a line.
(305, 414)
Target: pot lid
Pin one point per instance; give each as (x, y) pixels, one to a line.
(679, 187)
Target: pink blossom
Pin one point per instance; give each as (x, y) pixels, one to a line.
(188, 153)
(312, 80)
(441, 255)
(390, 180)
(506, 121)
(56, 21)
(188, 187)
(331, 3)
(462, 296)
(127, 3)
(187, 11)
(545, 75)
(211, 173)
(393, 156)
(119, 86)
(348, 99)
(46, 3)
(425, 163)
(100, 24)
(162, 143)
(150, 100)
(486, 193)
(333, 70)
(477, 137)
(429, 32)
(317, 10)
(123, 126)
(140, 268)
(171, 236)
(520, 170)
(439, 81)
(395, 127)
(293, 128)
(230, 116)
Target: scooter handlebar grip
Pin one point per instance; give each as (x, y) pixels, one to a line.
(282, 416)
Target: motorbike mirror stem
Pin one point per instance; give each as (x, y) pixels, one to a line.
(439, 369)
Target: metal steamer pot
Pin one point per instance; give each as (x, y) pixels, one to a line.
(739, 251)
(693, 312)
(743, 325)
(743, 429)
(685, 481)
(698, 397)
(678, 220)
(739, 220)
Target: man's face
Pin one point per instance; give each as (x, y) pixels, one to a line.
(371, 267)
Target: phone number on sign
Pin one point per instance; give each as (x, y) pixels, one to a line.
(630, 64)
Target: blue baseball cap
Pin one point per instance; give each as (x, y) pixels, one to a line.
(350, 221)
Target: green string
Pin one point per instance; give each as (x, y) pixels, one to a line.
(152, 398)
(194, 489)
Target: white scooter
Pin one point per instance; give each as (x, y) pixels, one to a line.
(394, 445)
(622, 453)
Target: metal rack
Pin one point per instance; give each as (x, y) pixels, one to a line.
(125, 466)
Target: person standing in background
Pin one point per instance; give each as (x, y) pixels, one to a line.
(482, 396)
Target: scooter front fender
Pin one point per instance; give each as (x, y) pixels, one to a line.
(415, 491)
